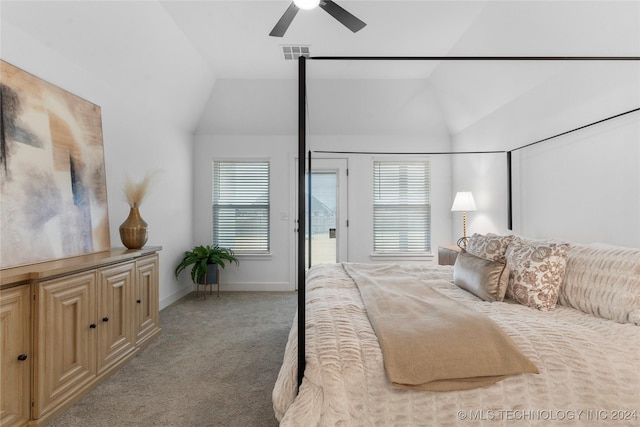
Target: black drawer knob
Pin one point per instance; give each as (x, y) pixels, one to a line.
(105, 319)
(93, 326)
(22, 357)
(139, 301)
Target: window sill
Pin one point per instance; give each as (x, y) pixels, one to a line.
(403, 257)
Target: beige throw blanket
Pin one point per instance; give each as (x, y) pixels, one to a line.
(428, 340)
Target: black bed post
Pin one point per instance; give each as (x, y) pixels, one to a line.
(509, 194)
(309, 197)
(302, 127)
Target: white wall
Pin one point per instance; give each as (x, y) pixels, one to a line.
(360, 184)
(276, 272)
(136, 139)
(264, 117)
(485, 175)
(582, 187)
(272, 272)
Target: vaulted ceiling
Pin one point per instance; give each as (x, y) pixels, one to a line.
(233, 35)
(158, 49)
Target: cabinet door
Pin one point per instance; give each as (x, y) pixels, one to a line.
(147, 302)
(116, 335)
(64, 357)
(15, 356)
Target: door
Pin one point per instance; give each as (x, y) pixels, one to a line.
(65, 354)
(116, 337)
(147, 317)
(15, 356)
(328, 222)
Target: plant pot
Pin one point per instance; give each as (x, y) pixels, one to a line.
(210, 279)
(211, 276)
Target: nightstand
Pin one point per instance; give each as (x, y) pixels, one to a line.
(447, 254)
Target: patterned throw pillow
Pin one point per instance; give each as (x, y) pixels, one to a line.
(490, 246)
(537, 269)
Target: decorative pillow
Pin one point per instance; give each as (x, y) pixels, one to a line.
(604, 281)
(537, 269)
(484, 278)
(490, 246)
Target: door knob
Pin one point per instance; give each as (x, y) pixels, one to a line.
(22, 357)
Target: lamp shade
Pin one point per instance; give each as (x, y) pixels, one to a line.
(464, 202)
(306, 4)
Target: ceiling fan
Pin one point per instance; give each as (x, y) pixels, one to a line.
(344, 17)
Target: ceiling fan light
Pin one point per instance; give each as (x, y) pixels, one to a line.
(306, 4)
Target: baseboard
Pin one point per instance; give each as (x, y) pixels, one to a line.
(231, 287)
(165, 302)
(257, 287)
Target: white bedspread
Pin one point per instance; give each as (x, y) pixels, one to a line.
(589, 367)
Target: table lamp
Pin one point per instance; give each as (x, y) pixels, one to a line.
(464, 203)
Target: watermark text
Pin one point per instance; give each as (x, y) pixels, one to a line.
(548, 414)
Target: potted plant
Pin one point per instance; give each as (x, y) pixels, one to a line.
(205, 261)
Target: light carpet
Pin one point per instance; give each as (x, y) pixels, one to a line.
(214, 364)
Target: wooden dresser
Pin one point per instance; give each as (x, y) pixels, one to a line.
(68, 324)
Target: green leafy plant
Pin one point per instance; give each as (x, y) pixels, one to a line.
(201, 256)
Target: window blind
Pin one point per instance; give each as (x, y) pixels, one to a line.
(401, 207)
(241, 206)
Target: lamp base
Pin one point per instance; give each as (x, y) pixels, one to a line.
(462, 243)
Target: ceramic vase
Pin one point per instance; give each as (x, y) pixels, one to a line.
(134, 230)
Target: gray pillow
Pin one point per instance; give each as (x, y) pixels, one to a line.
(484, 278)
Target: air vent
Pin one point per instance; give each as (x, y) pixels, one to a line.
(291, 52)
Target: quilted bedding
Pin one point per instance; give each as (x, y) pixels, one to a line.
(589, 366)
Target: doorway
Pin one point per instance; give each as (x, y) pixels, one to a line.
(328, 222)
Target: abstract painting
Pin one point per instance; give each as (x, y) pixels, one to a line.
(53, 196)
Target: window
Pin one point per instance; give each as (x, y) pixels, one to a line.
(241, 206)
(401, 207)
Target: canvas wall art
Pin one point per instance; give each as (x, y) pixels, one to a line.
(53, 196)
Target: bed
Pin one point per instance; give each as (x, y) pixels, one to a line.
(585, 345)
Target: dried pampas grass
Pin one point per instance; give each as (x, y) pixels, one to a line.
(135, 192)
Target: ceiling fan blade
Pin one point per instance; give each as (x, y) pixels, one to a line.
(345, 18)
(285, 21)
